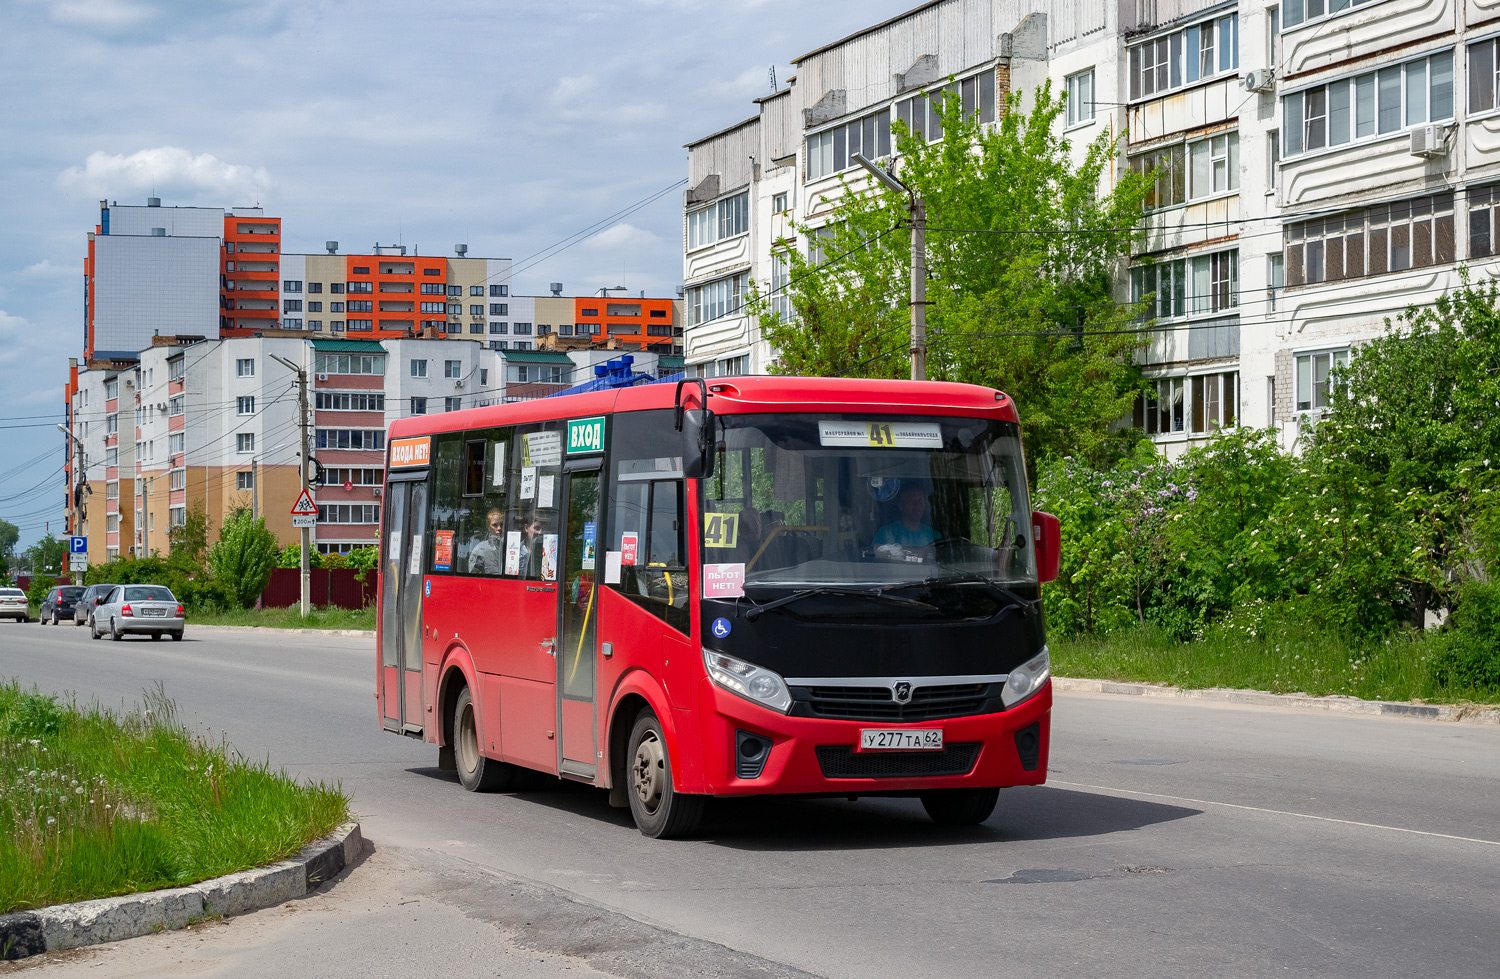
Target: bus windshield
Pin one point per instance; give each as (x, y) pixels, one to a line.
(849, 501)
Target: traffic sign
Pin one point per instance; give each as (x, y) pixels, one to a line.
(78, 562)
(304, 519)
(304, 505)
(78, 545)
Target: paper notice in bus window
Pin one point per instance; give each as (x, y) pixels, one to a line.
(549, 557)
(545, 448)
(611, 567)
(415, 567)
(723, 580)
(546, 488)
(720, 530)
(513, 552)
(882, 435)
(442, 550)
(497, 472)
(528, 483)
(629, 547)
(590, 531)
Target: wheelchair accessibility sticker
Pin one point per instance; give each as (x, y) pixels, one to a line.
(721, 627)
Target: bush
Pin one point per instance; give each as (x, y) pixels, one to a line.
(291, 557)
(1467, 654)
(244, 557)
(36, 592)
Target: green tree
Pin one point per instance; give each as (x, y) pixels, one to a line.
(46, 556)
(244, 556)
(190, 539)
(1023, 251)
(9, 535)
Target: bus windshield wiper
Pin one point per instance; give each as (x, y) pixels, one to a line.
(876, 593)
(1026, 605)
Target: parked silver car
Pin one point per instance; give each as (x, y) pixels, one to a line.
(151, 609)
(83, 612)
(13, 604)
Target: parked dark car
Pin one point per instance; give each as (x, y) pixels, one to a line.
(59, 603)
(83, 610)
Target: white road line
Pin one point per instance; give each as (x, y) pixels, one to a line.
(1276, 812)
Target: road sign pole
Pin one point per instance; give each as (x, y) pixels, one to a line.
(302, 464)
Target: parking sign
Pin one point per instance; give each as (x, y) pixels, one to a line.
(78, 545)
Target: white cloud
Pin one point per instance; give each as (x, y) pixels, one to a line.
(623, 235)
(166, 169)
(46, 270)
(98, 13)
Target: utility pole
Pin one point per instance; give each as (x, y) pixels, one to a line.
(303, 424)
(918, 349)
(78, 499)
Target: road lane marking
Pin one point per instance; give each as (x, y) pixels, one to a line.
(1276, 812)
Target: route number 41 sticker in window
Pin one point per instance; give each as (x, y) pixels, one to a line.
(721, 530)
(882, 435)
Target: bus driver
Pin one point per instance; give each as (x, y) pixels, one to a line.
(911, 532)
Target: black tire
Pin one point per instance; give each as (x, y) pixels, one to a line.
(156, 637)
(76, 622)
(960, 807)
(475, 771)
(177, 636)
(114, 631)
(660, 811)
(93, 630)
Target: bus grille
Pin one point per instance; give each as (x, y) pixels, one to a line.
(842, 761)
(875, 703)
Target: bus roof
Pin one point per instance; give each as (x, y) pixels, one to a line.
(737, 395)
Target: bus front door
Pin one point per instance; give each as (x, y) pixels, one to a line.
(401, 608)
(578, 611)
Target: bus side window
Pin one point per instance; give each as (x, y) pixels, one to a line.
(449, 511)
(486, 476)
(667, 548)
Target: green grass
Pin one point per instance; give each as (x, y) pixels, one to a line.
(1284, 657)
(95, 803)
(289, 618)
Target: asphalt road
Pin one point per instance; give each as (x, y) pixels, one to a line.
(1181, 838)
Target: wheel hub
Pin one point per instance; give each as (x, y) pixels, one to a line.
(649, 772)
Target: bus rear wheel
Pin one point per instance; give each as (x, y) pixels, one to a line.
(960, 807)
(660, 811)
(475, 771)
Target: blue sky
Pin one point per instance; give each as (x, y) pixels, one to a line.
(508, 126)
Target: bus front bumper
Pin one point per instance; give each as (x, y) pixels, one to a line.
(818, 756)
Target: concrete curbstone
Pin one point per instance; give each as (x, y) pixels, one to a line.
(1471, 714)
(357, 633)
(64, 926)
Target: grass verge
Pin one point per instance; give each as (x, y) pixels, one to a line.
(1282, 658)
(289, 618)
(95, 803)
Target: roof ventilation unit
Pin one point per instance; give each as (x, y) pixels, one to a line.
(153, 202)
(332, 246)
(556, 288)
(461, 249)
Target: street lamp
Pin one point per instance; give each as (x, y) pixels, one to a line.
(80, 470)
(918, 265)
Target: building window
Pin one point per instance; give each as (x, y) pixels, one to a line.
(499, 290)
(976, 96)
(453, 368)
(244, 481)
(350, 438)
(176, 369)
(452, 404)
(712, 300)
(484, 376)
(361, 270)
(455, 290)
(247, 405)
(476, 310)
(314, 288)
(499, 309)
(314, 307)
(291, 285)
(476, 290)
(522, 344)
(177, 479)
(1184, 57)
(499, 345)
(358, 287)
(361, 305)
(315, 325)
(542, 329)
(419, 368)
(361, 325)
(337, 288)
(1315, 380)
(779, 203)
(1201, 285)
(419, 406)
(432, 271)
(337, 326)
(111, 389)
(521, 329)
(335, 307)
(1214, 165)
(1198, 405)
(1372, 104)
(288, 323)
(659, 330)
(348, 513)
(1371, 241)
(455, 309)
(1169, 187)
(348, 401)
(725, 219)
(1275, 279)
(1483, 66)
(245, 442)
(349, 363)
(589, 312)
(1301, 11)
(434, 289)
(438, 308)
(1167, 282)
(177, 405)
(244, 367)
(476, 327)
(500, 328)
(1080, 97)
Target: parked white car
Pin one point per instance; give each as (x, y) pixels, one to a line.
(13, 604)
(150, 609)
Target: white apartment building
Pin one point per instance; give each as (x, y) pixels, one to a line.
(1322, 165)
(101, 501)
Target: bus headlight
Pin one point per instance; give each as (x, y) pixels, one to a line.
(1026, 679)
(747, 680)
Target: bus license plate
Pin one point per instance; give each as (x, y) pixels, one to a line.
(900, 739)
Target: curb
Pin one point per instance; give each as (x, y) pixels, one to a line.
(1334, 705)
(357, 633)
(109, 919)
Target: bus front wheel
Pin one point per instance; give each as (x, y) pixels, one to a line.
(475, 771)
(960, 807)
(660, 811)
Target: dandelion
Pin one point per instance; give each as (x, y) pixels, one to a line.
(51, 820)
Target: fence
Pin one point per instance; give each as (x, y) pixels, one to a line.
(330, 586)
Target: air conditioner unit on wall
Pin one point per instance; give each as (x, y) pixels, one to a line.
(322, 377)
(378, 490)
(1429, 141)
(1259, 79)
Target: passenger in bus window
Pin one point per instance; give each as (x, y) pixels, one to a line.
(488, 555)
(532, 531)
(911, 532)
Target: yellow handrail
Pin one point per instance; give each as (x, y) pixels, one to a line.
(772, 536)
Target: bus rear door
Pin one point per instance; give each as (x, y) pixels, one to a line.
(401, 604)
(577, 614)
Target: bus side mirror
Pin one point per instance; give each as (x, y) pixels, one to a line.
(1046, 531)
(697, 443)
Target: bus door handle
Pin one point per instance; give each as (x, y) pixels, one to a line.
(550, 646)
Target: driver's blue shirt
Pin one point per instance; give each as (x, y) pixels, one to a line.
(897, 532)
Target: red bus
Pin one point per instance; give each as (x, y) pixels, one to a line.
(748, 586)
